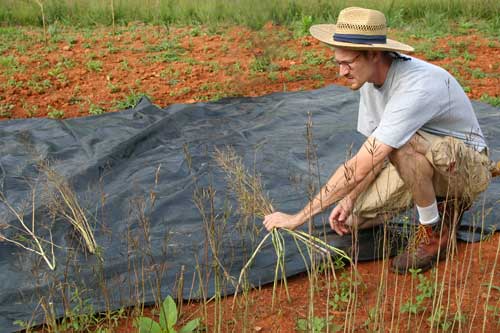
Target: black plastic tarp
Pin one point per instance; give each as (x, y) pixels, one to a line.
(135, 173)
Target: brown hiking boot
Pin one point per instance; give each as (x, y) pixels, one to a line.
(427, 247)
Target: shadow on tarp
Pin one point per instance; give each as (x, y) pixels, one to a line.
(130, 172)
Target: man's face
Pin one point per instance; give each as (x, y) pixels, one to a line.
(354, 66)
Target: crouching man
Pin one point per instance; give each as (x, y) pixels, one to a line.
(424, 144)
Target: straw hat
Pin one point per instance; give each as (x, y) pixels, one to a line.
(358, 29)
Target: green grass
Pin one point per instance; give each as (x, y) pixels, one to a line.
(429, 15)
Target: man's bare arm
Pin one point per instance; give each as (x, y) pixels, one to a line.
(345, 179)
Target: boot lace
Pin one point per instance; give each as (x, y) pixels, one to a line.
(421, 235)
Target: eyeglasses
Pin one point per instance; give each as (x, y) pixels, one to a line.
(345, 62)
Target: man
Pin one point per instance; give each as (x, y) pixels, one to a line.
(423, 142)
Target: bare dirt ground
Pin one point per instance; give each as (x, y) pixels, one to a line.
(90, 72)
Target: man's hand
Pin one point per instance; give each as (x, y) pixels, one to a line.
(339, 216)
(281, 220)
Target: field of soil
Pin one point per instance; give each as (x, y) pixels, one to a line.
(83, 72)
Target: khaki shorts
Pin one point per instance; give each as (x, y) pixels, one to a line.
(459, 172)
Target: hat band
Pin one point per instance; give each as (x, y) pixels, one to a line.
(360, 39)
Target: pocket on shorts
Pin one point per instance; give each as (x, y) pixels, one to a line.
(463, 168)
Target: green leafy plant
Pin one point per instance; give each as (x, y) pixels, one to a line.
(492, 100)
(426, 291)
(301, 28)
(312, 58)
(262, 64)
(6, 110)
(168, 319)
(316, 324)
(130, 100)
(94, 65)
(344, 292)
(96, 109)
(54, 113)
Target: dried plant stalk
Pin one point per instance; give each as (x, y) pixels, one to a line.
(29, 231)
(67, 206)
(247, 188)
(252, 201)
(40, 4)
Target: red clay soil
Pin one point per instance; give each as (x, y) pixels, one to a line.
(87, 70)
(84, 71)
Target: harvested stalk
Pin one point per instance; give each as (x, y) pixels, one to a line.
(252, 202)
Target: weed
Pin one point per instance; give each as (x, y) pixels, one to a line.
(130, 100)
(301, 28)
(65, 62)
(492, 100)
(71, 40)
(111, 48)
(492, 44)
(426, 288)
(94, 65)
(344, 292)
(195, 32)
(467, 56)
(316, 325)
(38, 85)
(54, 113)
(6, 110)
(10, 64)
(312, 58)
(12, 82)
(435, 54)
(304, 42)
(234, 68)
(477, 73)
(213, 66)
(113, 88)
(30, 110)
(262, 64)
(96, 109)
(124, 65)
(168, 319)
(445, 322)
(273, 76)
(317, 77)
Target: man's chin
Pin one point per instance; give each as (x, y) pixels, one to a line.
(355, 85)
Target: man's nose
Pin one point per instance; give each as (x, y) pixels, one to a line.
(343, 69)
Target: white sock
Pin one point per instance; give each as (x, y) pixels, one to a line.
(428, 215)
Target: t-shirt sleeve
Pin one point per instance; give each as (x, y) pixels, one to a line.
(403, 116)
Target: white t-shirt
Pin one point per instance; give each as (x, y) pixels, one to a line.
(417, 95)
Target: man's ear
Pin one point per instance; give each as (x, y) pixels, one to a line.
(376, 56)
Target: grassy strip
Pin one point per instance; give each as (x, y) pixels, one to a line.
(252, 13)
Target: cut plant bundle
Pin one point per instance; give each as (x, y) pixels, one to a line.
(253, 202)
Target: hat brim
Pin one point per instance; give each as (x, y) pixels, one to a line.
(324, 33)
